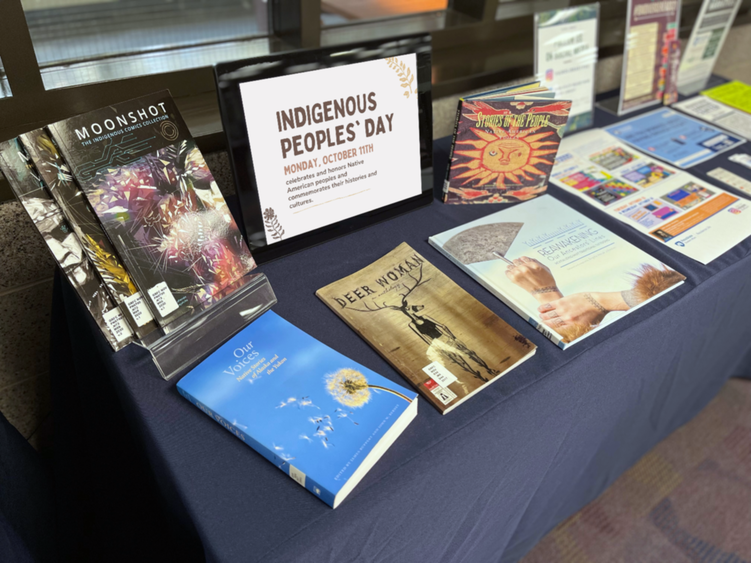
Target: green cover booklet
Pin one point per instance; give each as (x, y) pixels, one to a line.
(149, 184)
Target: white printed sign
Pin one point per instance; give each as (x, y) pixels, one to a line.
(566, 55)
(707, 37)
(334, 143)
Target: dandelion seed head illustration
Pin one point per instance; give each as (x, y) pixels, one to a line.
(349, 387)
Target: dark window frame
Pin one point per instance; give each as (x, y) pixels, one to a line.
(466, 42)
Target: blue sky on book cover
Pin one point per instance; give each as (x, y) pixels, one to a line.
(313, 407)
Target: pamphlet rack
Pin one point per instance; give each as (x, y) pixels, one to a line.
(180, 345)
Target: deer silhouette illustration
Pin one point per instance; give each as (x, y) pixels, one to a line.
(443, 345)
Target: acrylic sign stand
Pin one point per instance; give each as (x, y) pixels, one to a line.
(189, 339)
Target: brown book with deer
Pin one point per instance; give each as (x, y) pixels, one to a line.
(442, 340)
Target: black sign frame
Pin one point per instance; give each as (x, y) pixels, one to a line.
(229, 77)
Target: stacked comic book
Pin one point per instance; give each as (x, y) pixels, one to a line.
(504, 145)
(128, 207)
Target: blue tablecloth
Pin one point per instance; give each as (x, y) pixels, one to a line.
(481, 484)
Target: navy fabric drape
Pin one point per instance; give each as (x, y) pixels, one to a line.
(481, 484)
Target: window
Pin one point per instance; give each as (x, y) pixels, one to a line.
(508, 9)
(343, 11)
(84, 41)
(4, 86)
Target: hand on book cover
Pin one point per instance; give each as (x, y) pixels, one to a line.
(580, 312)
(585, 309)
(535, 277)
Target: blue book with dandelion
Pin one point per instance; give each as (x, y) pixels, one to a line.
(318, 416)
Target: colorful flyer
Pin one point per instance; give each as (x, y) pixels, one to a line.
(707, 37)
(651, 28)
(675, 138)
(690, 216)
(671, 78)
(565, 58)
(714, 112)
(734, 94)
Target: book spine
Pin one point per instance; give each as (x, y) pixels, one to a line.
(506, 300)
(301, 478)
(56, 233)
(72, 209)
(147, 302)
(451, 151)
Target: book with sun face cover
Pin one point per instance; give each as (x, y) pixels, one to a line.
(320, 417)
(447, 344)
(503, 149)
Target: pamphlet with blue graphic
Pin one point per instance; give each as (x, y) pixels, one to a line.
(318, 416)
(565, 274)
(687, 214)
(674, 137)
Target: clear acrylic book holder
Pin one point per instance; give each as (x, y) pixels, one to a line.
(181, 344)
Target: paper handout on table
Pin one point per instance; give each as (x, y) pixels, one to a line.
(734, 94)
(689, 215)
(675, 138)
(712, 111)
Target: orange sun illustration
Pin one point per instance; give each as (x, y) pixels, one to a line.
(505, 155)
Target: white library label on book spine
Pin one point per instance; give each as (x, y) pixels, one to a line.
(438, 373)
(117, 325)
(297, 475)
(138, 308)
(163, 299)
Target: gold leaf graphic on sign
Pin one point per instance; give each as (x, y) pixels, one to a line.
(406, 78)
(272, 223)
(112, 271)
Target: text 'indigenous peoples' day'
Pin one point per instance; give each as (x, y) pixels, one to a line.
(331, 136)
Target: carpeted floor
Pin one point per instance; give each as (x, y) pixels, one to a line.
(688, 500)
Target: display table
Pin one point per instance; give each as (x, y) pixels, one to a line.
(481, 484)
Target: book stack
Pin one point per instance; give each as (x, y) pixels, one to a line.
(127, 205)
